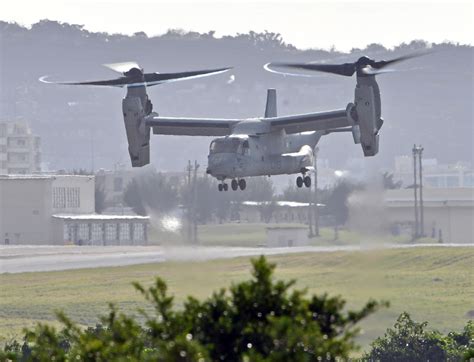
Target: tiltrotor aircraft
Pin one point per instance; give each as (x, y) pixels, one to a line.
(268, 145)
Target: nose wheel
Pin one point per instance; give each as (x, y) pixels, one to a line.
(303, 180)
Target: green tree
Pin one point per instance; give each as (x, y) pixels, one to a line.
(410, 341)
(151, 191)
(389, 183)
(336, 201)
(100, 199)
(261, 319)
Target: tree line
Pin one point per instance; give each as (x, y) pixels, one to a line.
(158, 193)
(74, 120)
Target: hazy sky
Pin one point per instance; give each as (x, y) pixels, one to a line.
(304, 23)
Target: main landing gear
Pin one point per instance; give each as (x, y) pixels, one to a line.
(222, 187)
(303, 180)
(234, 184)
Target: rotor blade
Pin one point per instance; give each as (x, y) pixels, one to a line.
(150, 79)
(158, 78)
(383, 63)
(119, 82)
(122, 67)
(374, 71)
(268, 69)
(346, 69)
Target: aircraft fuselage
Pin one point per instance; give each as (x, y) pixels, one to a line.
(241, 155)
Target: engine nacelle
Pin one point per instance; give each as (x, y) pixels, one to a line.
(351, 113)
(367, 115)
(138, 133)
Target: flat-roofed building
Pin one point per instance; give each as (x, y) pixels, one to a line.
(59, 209)
(435, 175)
(73, 194)
(448, 212)
(25, 209)
(277, 211)
(95, 229)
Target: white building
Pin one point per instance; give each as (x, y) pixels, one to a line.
(113, 184)
(59, 209)
(275, 212)
(25, 209)
(448, 212)
(435, 175)
(19, 149)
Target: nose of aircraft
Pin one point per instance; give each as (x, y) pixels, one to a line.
(221, 164)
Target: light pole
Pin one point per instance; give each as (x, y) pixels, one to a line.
(194, 207)
(419, 223)
(415, 191)
(420, 168)
(316, 210)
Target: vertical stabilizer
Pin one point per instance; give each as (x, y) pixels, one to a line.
(271, 107)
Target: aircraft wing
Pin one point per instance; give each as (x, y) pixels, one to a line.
(320, 121)
(191, 126)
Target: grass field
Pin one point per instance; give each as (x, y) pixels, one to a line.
(248, 234)
(433, 284)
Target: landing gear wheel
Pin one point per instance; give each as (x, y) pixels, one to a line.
(299, 181)
(225, 186)
(242, 184)
(307, 181)
(219, 187)
(234, 184)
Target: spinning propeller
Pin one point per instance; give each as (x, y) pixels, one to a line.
(133, 76)
(364, 66)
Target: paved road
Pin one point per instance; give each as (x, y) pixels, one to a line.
(19, 259)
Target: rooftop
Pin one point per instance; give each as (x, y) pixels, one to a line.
(38, 176)
(279, 203)
(98, 217)
(25, 177)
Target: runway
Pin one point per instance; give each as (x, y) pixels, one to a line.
(19, 259)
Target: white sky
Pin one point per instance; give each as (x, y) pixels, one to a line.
(303, 23)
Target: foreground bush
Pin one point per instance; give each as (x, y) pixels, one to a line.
(410, 341)
(256, 320)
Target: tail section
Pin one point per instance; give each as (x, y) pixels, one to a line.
(271, 107)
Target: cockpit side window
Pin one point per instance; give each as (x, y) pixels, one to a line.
(245, 147)
(225, 145)
(212, 147)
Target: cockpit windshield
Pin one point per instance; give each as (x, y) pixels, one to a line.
(228, 145)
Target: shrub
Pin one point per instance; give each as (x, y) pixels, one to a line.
(410, 341)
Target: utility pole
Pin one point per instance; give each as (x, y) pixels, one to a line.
(415, 191)
(189, 169)
(316, 209)
(194, 205)
(310, 214)
(189, 227)
(92, 153)
(420, 168)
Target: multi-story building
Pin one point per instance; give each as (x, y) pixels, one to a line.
(435, 175)
(19, 149)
